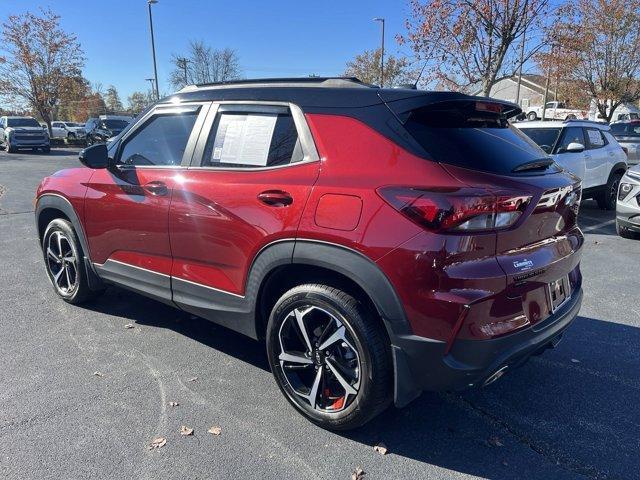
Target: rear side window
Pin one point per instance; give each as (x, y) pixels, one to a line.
(595, 138)
(571, 135)
(160, 141)
(471, 139)
(252, 140)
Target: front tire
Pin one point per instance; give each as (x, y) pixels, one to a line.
(330, 356)
(63, 258)
(531, 116)
(607, 199)
(11, 148)
(626, 233)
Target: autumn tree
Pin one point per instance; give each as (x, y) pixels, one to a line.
(112, 100)
(366, 67)
(596, 44)
(470, 43)
(37, 60)
(204, 64)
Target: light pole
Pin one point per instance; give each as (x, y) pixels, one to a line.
(153, 46)
(381, 20)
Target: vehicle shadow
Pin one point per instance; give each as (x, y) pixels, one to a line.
(569, 413)
(596, 221)
(574, 409)
(145, 311)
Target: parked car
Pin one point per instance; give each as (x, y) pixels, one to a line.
(381, 242)
(101, 129)
(586, 149)
(67, 130)
(556, 111)
(18, 133)
(628, 135)
(628, 205)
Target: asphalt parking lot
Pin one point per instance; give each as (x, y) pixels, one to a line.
(81, 396)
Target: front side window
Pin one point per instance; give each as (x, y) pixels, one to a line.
(571, 135)
(252, 140)
(545, 138)
(114, 124)
(162, 140)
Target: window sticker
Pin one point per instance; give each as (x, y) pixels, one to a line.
(244, 139)
(595, 138)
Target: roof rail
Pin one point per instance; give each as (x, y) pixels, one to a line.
(569, 120)
(334, 82)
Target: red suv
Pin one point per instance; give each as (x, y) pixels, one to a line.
(382, 242)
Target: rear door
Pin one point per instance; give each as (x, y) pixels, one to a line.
(127, 206)
(57, 129)
(251, 175)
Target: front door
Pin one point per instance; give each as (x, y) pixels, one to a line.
(253, 170)
(127, 206)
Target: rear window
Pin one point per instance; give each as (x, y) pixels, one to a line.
(472, 139)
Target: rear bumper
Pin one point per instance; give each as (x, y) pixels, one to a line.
(422, 364)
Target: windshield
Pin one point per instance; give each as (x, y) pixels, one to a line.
(545, 138)
(22, 122)
(114, 124)
(473, 139)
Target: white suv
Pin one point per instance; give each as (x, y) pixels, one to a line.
(586, 149)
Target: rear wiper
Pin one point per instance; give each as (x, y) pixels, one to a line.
(540, 164)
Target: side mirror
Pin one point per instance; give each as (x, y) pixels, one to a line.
(95, 156)
(575, 147)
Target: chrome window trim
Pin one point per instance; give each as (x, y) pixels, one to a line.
(163, 109)
(310, 152)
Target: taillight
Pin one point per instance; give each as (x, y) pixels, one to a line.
(456, 209)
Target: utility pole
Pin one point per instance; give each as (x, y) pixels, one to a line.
(546, 87)
(153, 46)
(381, 20)
(152, 82)
(182, 62)
(524, 35)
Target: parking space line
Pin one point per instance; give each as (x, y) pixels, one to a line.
(598, 226)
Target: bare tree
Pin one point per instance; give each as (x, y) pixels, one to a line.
(38, 59)
(465, 43)
(598, 47)
(204, 64)
(366, 67)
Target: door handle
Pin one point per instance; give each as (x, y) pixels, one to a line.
(156, 188)
(275, 198)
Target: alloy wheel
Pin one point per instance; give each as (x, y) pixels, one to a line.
(62, 263)
(318, 359)
(613, 192)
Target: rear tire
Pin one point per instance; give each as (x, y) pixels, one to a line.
(607, 199)
(355, 345)
(64, 262)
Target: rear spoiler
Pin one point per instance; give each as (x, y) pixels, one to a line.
(449, 100)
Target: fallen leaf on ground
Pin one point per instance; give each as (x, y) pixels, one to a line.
(185, 431)
(173, 404)
(128, 326)
(358, 474)
(381, 448)
(504, 463)
(98, 374)
(215, 430)
(158, 442)
(575, 360)
(596, 242)
(192, 379)
(495, 442)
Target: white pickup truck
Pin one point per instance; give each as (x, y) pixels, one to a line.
(556, 111)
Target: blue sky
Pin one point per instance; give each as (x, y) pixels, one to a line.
(272, 38)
